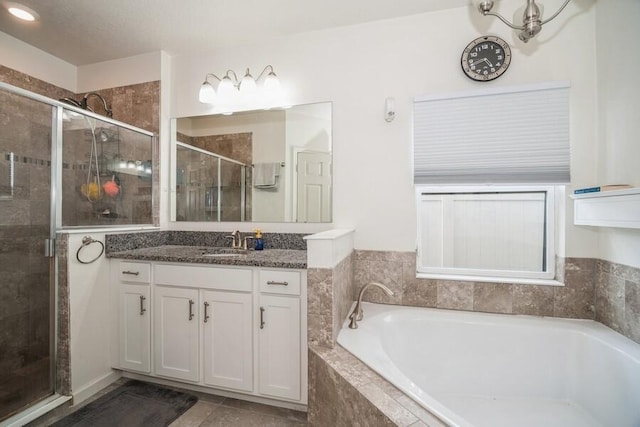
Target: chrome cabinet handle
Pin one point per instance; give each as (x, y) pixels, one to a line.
(271, 282)
(261, 317)
(133, 273)
(206, 316)
(142, 309)
(190, 309)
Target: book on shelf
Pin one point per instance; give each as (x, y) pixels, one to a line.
(601, 188)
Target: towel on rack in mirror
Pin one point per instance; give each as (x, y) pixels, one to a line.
(265, 175)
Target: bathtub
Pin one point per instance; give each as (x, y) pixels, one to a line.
(479, 369)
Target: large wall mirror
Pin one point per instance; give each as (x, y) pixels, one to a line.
(256, 166)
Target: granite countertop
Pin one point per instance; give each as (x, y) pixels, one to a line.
(279, 258)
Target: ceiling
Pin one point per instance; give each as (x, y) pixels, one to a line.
(89, 31)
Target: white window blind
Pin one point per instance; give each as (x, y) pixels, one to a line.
(504, 135)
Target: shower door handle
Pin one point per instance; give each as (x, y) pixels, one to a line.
(50, 248)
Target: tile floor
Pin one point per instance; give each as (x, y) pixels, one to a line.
(209, 411)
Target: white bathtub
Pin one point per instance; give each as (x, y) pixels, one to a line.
(478, 369)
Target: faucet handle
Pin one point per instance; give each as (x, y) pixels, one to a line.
(244, 242)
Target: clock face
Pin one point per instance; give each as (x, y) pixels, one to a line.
(486, 58)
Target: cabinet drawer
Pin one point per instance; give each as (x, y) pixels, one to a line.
(228, 279)
(280, 282)
(136, 272)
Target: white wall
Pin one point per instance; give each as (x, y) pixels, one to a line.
(357, 67)
(89, 317)
(27, 59)
(617, 35)
(119, 72)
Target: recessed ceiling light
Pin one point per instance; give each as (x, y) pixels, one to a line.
(22, 12)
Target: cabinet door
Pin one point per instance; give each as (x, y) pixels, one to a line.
(228, 352)
(176, 332)
(279, 352)
(135, 328)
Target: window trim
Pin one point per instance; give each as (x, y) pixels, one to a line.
(546, 277)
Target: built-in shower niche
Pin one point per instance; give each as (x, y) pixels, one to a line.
(106, 173)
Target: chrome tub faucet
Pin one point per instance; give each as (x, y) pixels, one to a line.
(356, 314)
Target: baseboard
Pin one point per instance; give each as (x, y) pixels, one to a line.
(92, 388)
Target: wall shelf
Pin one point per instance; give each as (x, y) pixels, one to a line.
(618, 208)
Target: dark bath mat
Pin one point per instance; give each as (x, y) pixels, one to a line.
(134, 404)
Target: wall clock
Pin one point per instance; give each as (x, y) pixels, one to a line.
(486, 58)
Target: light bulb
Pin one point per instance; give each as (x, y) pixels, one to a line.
(247, 87)
(207, 95)
(271, 82)
(272, 92)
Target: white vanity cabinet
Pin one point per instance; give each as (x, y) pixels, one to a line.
(134, 318)
(239, 329)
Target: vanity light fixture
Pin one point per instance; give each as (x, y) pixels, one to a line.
(531, 17)
(232, 92)
(21, 11)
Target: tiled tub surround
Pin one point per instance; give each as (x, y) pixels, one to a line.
(330, 295)
(594, 289)
(343, 391)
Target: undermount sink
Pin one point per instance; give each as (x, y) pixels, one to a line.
(224, 252)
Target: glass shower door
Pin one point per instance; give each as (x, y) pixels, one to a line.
(26, 279)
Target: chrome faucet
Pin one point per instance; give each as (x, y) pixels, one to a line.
(236, 241)
(356, 314)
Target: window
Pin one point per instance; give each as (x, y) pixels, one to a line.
(488, 166)
(493, 233)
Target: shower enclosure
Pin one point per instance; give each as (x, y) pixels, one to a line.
(209, 187)
(54, 163)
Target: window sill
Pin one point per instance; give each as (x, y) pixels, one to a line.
(508, 280)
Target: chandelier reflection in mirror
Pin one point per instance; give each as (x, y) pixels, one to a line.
(531, 17)
(233, 94)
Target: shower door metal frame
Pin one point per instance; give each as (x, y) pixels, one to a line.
(49, 402)
(219, 157)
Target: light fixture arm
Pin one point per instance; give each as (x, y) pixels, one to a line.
(500, 17)
(206, 78)
(531, 22)
(268, 67)
(235, 80)
(557, 12)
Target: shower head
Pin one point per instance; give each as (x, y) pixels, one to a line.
(97, 95)
(107, 135)
(84, 103)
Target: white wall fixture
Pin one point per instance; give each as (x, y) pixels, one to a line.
(236, 94)
(389, 109)
(531, 17)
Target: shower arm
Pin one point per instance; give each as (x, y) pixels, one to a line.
(97, 95)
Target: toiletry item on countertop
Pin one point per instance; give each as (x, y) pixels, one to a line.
(258, 240)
